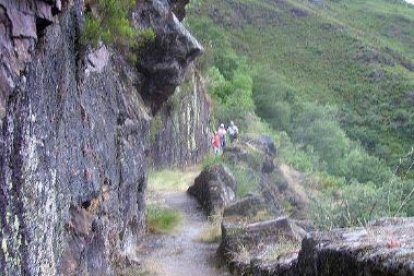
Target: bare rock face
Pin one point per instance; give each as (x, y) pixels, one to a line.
(179, 131)
(214, 189)
(75, 137)
(383, 248)
(22, 24)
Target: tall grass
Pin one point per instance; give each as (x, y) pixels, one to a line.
(162, 220)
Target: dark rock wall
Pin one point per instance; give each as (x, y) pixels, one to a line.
(75, 138)
(180, 134)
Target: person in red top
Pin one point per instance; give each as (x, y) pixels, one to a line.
(215, 142)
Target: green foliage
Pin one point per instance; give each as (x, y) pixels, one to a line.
(233, 97)
(336, 85)
(296, 156)
(358, 165)
(210, 160)
(108, 21)
(314, 126)
(162, 219)
(354, 205)
(234, 101)
(352, 54)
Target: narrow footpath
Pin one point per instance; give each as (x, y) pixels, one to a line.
(181, 253)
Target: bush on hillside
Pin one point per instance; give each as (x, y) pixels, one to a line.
(360, 166)
(354, 204)
(273, 98)
(233, 98)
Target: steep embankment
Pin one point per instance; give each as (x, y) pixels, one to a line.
(75, 135)
(356, 55)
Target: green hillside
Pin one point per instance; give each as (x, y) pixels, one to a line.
(356, 55)
(334, 80)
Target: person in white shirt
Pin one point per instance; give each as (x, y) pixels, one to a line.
(233, 131)
(222, 133)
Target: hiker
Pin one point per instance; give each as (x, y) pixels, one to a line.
(215, 142)
(233, 131)
(222, 133)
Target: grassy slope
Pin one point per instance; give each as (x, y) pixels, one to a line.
(353, 54)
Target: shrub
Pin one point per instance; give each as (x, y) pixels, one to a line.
(234, 99)
(295, 156)
(316, 126)
(360, 166)
(354, 204)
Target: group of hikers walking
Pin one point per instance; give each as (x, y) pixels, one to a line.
(218, 140)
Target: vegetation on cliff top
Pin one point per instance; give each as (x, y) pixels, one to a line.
(334, 80)
(108, 21)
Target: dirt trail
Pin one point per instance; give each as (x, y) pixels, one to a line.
(181, 253)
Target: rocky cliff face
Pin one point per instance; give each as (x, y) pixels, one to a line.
(76, 134)
(179, 134)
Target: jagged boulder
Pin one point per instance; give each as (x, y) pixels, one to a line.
(246, 207)
(382, 248)
(264, 248)
(163, 71)
(214, 188)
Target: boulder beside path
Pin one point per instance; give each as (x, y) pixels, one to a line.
(214, 188)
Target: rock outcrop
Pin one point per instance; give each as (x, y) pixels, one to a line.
(76, 135)
(261, 248)
(248, 206)
(279, 185)
(214, 189)
(382, 248)
(164, 64)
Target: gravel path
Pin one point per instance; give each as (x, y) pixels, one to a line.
(180, 254)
